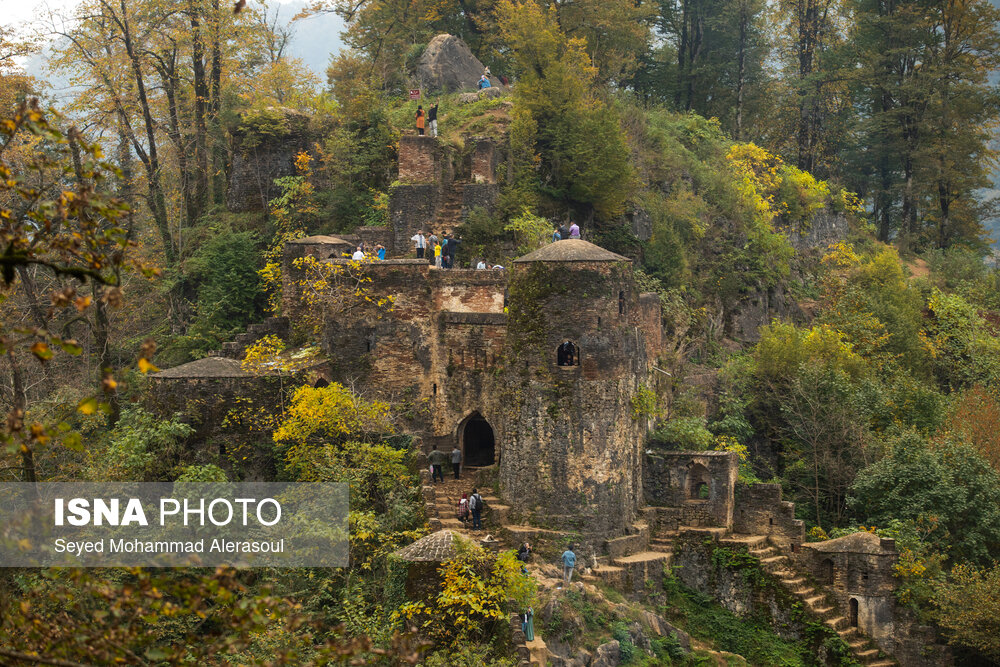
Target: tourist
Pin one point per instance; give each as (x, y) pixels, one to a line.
(524, 553)
(420, 119)
(574, 231)
(569, 562)
(481, 265)
(486, 72)
(380, 251)
(450, 250)
(432, 118)
(528, 626)
(437, 255)
(420, 242)
(563, 232)
(437, 460)
(456, 460)
(463, 509)
(358, 255)
(556, 235)
(432, 241)
(484, 83)
(476, 505)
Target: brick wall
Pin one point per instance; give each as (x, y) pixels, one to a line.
(760, 510)
(419, 159)
(670, 479)
(483, 159)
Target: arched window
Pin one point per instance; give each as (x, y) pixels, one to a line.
(699, 483)
(477, 441)
(854, 612)
(568, 354)
(621, 302)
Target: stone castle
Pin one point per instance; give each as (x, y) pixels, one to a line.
(478, 359)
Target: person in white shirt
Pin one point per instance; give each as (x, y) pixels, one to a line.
(420, 242)
(481, 265)
(358, 255)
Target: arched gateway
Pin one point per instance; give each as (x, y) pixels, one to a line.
(477, 441)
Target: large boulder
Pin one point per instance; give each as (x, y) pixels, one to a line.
(607, 655)
(448, 65)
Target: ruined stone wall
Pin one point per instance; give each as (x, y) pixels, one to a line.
(649, 319)
(571, 445)
(760, 510)
(434, 353)
(420, 159)
(484, 159)
(411, 208)
(264, 147)
(670, 480)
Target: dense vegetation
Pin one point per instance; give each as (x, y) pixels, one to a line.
(727, 127)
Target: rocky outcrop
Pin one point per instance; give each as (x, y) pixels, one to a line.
(448, 65)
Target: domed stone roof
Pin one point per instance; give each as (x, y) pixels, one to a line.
(572, 250)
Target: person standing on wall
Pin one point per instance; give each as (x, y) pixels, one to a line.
(420, 119)
(380, 251)
(456, 460)
(420, 242)
(432, 118)
(437, 255)
(476, 506)
(437, 460)
(432, 241)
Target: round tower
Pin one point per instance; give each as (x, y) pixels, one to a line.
(571, 438)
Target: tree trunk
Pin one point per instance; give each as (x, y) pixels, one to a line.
(157, 200)
(18, 410)
(200, 104)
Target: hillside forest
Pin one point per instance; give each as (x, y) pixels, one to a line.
(700, 138)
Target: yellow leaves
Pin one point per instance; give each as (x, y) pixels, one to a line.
(146, 366)
(263, 353)
(87, 406)
(41, 351)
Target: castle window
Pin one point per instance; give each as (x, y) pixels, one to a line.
(699, 487)
(568, 354)
(621, 302)
(435, 389)
(854, 612)
(826, 572)
(598, 322)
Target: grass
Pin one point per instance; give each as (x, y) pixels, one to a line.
(704, 619)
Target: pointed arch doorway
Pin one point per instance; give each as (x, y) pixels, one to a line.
(477, 441)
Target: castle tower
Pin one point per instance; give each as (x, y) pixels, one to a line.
(571, 441)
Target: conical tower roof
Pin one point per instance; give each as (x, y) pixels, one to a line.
(572, 250)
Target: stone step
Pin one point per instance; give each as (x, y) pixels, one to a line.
(882, 663)
(816, 599)
(837, 623)
(793, 583)
(764, 553)
(848, 634)
(749, 541)
(822, 611)
(706, 530)
(642, 567)
(625, 545)
(866, 655)
(773, 560)
(804, 592)
(610, 575)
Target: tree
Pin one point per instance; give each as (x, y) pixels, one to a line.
(948, 485)
(584, 158)
(968, 608)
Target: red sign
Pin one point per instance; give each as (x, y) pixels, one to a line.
(414, 93)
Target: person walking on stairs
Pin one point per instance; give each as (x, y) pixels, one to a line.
(456, 460)
(437, 460)
(463, 509)
(528, 625)
(476, 505)
(569, 562)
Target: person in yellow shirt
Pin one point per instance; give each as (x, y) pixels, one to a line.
(437, 255)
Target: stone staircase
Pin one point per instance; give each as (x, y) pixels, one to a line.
(449, 215)
(236, 349)
(633, 561)
(814, 600)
